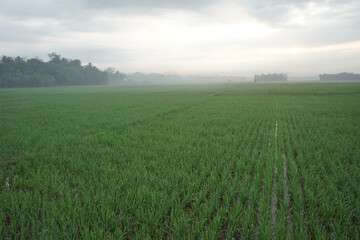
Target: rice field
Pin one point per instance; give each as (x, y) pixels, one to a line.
(231, 161)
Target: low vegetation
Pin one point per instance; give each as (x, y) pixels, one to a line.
(233, 161)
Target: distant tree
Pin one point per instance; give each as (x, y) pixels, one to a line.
(339, 77)
(54, 58)
(270, 77)
(115, 76)
(58, 71)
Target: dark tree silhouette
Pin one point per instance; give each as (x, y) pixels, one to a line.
(58, 71)
(270, 77)
(339, 77)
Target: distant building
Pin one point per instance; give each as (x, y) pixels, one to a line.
(339, 77)
(271, 77)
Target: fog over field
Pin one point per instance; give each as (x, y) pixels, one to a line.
(227, 38)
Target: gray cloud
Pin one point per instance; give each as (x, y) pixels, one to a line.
(276, 12)
(172, 4)
(72, 28)
(273, 12)
(72, 8)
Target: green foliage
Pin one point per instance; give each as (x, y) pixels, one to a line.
(339, 77)
(57, 72)
(115, 76)
(180, 162)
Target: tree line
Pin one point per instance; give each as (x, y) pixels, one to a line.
(277, 77)
(58, 71)
(340, 76)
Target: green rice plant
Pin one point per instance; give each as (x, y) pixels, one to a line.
(180, 162)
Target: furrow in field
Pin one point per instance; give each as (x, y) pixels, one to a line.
(249, 134)
(274, 199)
(290, 130)
(261, 189)
(285, 214)
(289, 218)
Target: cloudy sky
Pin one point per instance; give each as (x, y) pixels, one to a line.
(232, 37)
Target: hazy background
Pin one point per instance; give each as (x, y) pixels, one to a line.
(238, 38)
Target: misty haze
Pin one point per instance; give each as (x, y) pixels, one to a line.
(175, 119)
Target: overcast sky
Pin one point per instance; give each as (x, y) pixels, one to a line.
(230, 37)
